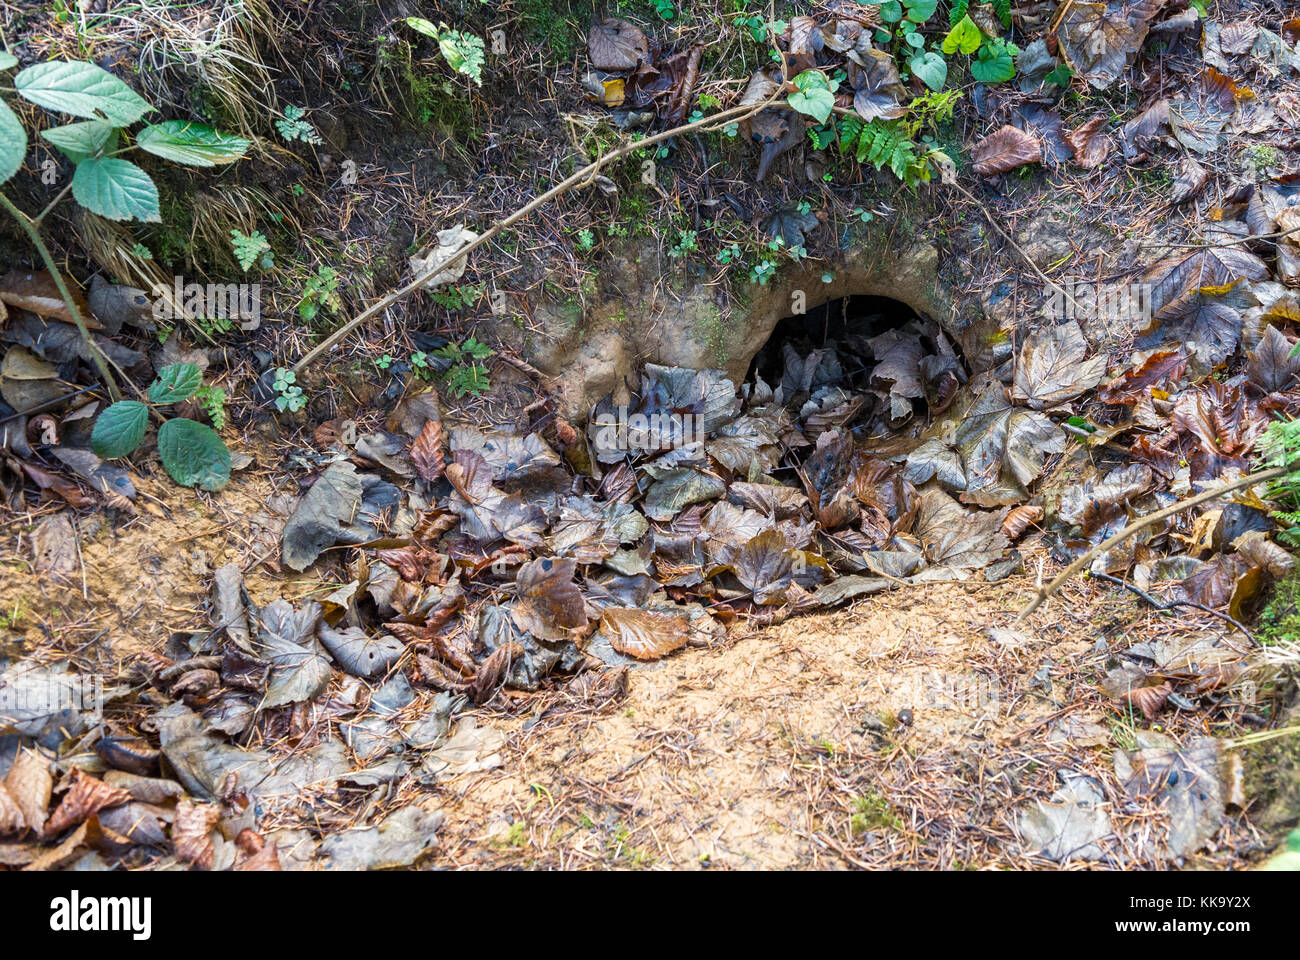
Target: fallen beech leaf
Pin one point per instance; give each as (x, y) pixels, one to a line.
(1090, 142)
(86, 797)
(1191, 180)
(1019, 520)
(426, 452)
(256, 853)
(11, 815)
(37, 292)
(616, 44)
(29, 784)
(1237, 38)
(1150, 700)
(1004, 150)
(191, 832)
(549, 604)
(644, 634)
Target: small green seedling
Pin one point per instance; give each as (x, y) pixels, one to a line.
(191, 452)
(288, 394)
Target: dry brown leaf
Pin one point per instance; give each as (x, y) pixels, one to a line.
(1019, 520)
(1260, 551)
(492, 670)
(616, 44)
(88, 834)
(426, 452)
(86, 797)
(255, 853)
(549, 604)
(37, 292)
(191, 833)
(1150, 700)
(11, 816)
(30, 783)
(644, 634)
(1005, 150)
(1090, 142)
(1237, 38)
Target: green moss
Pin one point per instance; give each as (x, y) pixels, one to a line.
(1279, 622)
(872, 812)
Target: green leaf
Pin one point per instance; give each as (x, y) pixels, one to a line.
(931, 68)
(813, 96)
(1060, 75)
(119, 429)
(13, 143)
(919, 11)
(176, 382)
(196, 144)
(81, 89)
(7, 60)
(964, 37)
(80, 141)
(116, 189)
(464, 53)
(994, 64)
(424, 26)
(193, 454)
(891, 11)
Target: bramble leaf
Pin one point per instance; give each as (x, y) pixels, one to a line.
(119, 429)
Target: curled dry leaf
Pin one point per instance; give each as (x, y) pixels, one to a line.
(1004, 150)
(1191, 180)
(1020, 519)
(256, 853)
(191, 832)
(1150, 700)
(84, 798)
(1090, 142)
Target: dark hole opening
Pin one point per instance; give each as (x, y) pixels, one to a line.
(866, 344)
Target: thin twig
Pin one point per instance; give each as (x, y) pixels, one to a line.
(585, 175)
(1137, 526)
(1007, 237)
(1156, 604)
(32, 229)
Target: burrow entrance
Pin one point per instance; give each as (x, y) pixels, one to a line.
(864, 344)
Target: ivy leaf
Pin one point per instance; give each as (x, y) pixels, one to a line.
(116, 189)
(13, 143)
(119, 429)
(964, 37)
(176, 382)
(81, 89)
(891, 11)
(193, 454)
(196, 144)
(813, 96)
(80, 141)
(931, 69)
